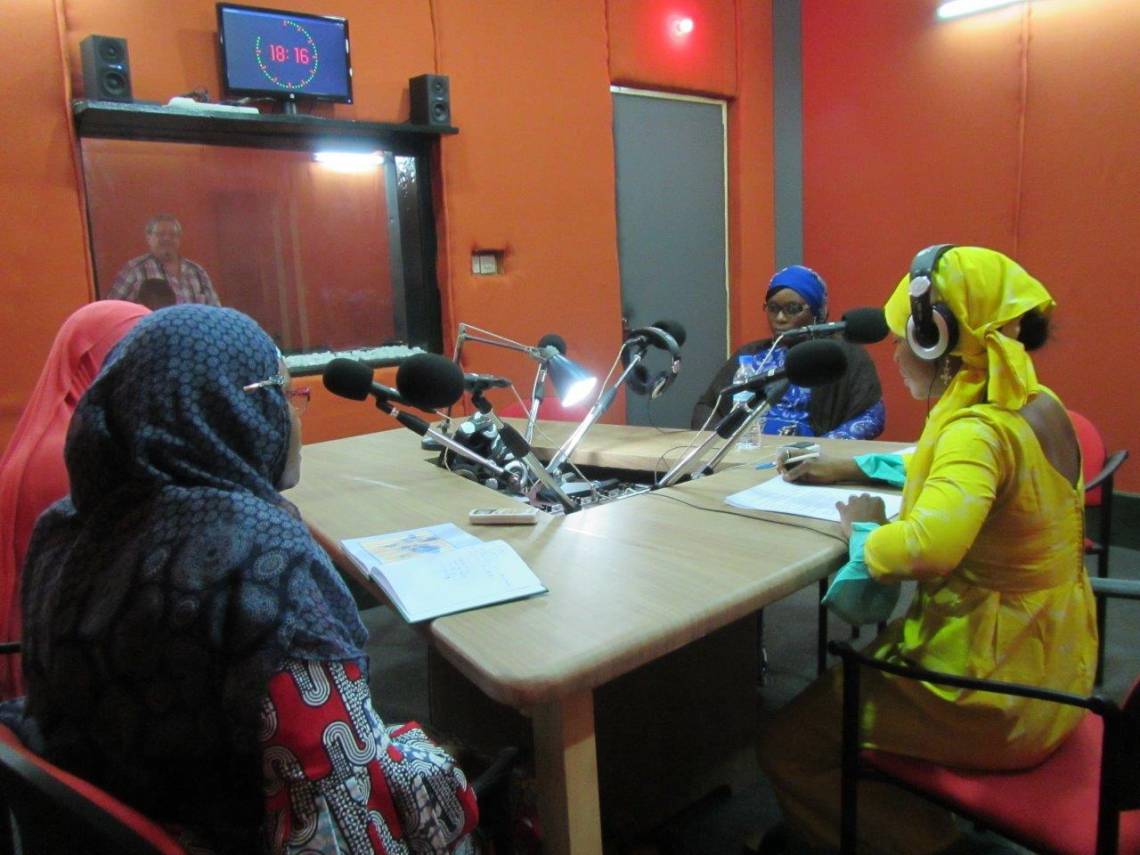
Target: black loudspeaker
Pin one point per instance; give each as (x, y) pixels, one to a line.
(106, 69)
(430, 96)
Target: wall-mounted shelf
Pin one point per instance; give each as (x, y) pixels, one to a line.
(156, 122)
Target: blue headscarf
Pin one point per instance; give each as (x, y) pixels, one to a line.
(175, 580)
(805, 282)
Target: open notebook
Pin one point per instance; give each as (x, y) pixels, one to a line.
(441, 569)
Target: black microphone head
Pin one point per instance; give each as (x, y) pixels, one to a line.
(674, 329)
(429, 381)
(553, 340)
(866, 325)
(815, 363)
(348, 378)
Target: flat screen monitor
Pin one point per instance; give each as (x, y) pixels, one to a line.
(284, 55)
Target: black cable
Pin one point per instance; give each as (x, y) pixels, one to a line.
(734, 513)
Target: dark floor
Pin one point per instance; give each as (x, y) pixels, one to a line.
(722, 825)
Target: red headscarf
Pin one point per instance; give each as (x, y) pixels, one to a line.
(32, 471)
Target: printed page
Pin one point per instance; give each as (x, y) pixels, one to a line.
(457, 580)
(806, 500)
(401, 545)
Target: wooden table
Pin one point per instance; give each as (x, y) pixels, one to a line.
(630, 581)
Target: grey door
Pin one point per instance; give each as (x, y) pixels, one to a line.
(670, 162)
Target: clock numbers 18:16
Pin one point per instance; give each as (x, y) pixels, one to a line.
(280, 53)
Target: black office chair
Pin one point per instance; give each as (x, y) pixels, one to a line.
(492, 791)
(48, 811)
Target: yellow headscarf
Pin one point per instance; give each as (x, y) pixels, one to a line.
(985, 290)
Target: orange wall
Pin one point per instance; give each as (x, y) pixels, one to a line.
(918, 131)
(531, 171)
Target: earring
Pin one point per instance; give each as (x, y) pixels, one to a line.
(944, 373)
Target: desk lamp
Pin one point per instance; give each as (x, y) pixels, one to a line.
(572, 383)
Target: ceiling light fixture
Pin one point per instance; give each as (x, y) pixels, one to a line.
(958, 8)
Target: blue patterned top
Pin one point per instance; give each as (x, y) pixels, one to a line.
(790, 416)
(162, 594)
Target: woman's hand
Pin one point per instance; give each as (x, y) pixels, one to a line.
(860, 508)
(825, 469)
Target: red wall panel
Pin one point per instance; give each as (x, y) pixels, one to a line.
(1013, 129)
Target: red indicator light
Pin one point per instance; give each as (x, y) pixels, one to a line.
(682, 26)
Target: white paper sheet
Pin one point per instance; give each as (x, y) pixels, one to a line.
(805, 500)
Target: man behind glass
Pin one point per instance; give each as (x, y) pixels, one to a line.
(187, 279)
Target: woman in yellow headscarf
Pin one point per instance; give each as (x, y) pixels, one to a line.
(992, 529)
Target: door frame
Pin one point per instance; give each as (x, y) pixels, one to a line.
(723, 104)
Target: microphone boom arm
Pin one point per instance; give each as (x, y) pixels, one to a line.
(522, 450)
(753, 414)
(600, 406)
(687, 465)
(418, 425)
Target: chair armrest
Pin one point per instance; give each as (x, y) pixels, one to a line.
(1094, 703)
(1127, 589)
(1108, 470)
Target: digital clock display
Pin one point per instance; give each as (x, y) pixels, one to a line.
(285, 54)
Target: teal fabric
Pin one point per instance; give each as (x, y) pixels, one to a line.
(888, 468)
(854, 595)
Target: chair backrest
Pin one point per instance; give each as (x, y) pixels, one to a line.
(1130, 715)
(57, 812)
(1093, 454)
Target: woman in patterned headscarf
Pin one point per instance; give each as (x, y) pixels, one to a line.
(187, 645)
(991, 528)
(849, 408)
(32, 474)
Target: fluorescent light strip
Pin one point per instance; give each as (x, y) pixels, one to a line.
(350, 161)
(958, 8)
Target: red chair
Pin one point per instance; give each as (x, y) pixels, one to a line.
(1099, 469)
(54, 812)
(1084, 798)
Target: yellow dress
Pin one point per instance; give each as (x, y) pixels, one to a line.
(994, 538)
(995, 541)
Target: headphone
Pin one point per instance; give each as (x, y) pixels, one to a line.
(639, 380)
(932, 329)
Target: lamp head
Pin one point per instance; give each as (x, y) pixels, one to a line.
(572, 383)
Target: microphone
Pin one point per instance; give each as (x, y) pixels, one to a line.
(866, 325)
(551, 343)
(351, 379)
(813, 363)
(479, 382)
(429, 381)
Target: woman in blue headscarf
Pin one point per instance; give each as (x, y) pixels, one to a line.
(849, 408)
(187, 645)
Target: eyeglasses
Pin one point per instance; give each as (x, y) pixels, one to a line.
(298, 398)
(790, 310)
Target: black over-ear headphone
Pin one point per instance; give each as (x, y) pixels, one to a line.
(639, 380)
(932, 329)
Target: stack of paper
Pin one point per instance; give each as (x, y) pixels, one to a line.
(805, 500)
(439, 570)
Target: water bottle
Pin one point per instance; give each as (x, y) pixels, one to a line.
(745, 371)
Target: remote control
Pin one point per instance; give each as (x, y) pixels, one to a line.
(503, 516)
